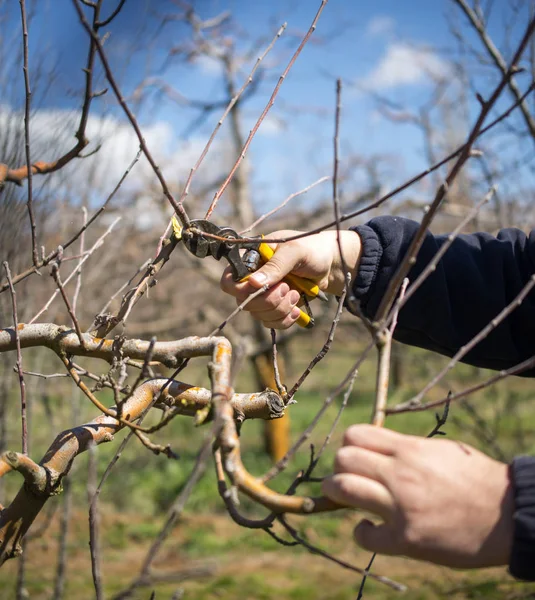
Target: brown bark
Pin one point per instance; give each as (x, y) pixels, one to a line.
(44, 480)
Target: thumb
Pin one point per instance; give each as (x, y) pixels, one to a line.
(286, 257)
(375, 538)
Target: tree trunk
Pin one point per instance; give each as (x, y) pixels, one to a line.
(276, 432)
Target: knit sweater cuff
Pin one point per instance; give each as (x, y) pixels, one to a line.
(370, 258)
(522, 563)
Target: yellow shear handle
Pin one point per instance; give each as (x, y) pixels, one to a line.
(305, 286)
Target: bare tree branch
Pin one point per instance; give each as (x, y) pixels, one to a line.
(22, 383)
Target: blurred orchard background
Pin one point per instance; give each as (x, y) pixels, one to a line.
(410, 74)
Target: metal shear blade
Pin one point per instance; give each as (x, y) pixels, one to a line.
(202, 247)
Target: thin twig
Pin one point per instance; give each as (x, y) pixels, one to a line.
(107, 21)
(366, 573)
(383, 343)
(177, 206)
(326, 347)
(73, 273)
(283, 204)
(432, 264)
(104, 324)
(88, 71)
(336, 199)
(21, 593)
(483, 333)
(22, 383)
(57, 278)
(270, 103)
(174, 512)
(498, 60)
(283, 462)
(401, 272)
(17, 175)
(94, 522)
(229, 107)
(421, 175)
(516, 370)
(239, 308)
(27, 106)
(440, 421)
(229, 497)
(110, 413)
(65, 516)
(103, 207)
(143, 374)
(79, 274)
(342, 563)
(118, 454)
(343, 404)
(125, 285)
(55, 253)
(280, 540)
(281, 388)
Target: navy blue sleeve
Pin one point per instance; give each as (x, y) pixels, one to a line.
(477, 277)
(522, 562)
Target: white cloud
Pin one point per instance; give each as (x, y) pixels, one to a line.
(91, 179)
(380, 25)
(404, 65)
(52, 134)
(207, 64)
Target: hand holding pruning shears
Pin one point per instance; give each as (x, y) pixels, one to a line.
(307, 266)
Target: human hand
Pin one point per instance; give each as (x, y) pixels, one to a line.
(314, 257)
(440, 500)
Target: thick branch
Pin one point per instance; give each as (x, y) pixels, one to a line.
(41, 167)
(56, 463)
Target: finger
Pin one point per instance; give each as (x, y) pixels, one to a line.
(286, 257)
(280, 310)
(376, 538)
(359, 492)
(285, 323)
(360, 461)
(234, 288)
(377, 439)
(239, 289)
(242, 290)
(270, 300)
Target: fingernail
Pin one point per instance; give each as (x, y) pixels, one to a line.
(295, 313)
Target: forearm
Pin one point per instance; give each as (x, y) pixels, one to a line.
(346, 254)
(478, 276)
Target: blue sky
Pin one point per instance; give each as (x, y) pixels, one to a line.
(386, 46)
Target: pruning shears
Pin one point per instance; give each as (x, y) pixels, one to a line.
(242, 265)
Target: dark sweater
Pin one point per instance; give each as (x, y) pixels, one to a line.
(477, 277)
